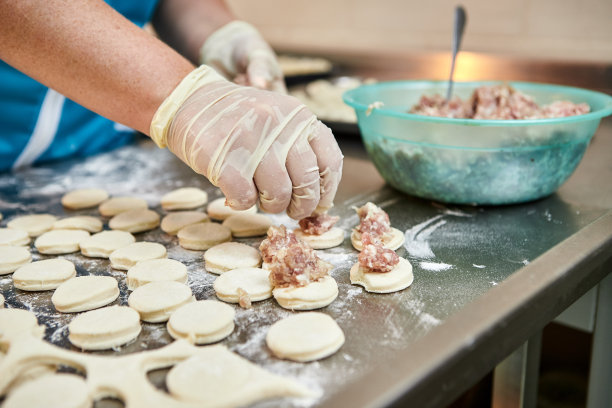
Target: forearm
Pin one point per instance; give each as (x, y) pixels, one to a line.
(91, 54)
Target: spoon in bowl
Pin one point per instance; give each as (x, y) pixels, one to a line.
(460, 20)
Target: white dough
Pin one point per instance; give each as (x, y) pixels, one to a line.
(85, 293)
(156, 301)
(60, 241)
(79, 222)
(104, 328)
(1, 301)
(102, 244)
(248, 225)
(34, 225)
(43, 275)
(84, 198)
(254, 281)
(329, 239)
(12, 257)
(56, 390)
(184, 199)
(173, 222)
(9, 236)
(305, 337)
(126, 257)
(135, 221)
(217, 210)
(203, 236)
(15, 321)
(392, 241)
(202, 322)
(397, 279)
(116, 205)
(154, 270)
(231, 255)
(315, 295)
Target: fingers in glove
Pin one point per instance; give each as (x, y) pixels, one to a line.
(240, 193)
(329, 160)
(304, 173)
(274, 185)
(263, 72)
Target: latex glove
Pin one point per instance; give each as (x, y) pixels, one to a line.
(240, 53)
(253, 144)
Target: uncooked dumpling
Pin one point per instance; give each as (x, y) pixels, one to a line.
(202, 322)
(85, 293)
(84, 198)
(104, 328)
(43, 275)
(184, 199)
(231, 255)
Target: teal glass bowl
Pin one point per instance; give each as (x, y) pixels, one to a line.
(473, 161)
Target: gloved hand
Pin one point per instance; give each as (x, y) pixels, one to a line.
(253, 144)
(240, 53)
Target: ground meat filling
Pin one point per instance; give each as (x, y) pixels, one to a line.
(278, 237)
(317, 224)
(373, 221)
(375, 257)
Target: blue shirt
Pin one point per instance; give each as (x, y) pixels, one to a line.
(38, 124)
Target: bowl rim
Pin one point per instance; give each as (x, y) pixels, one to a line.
(349, 98)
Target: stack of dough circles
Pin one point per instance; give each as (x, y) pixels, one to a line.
(12, 257)
(248, 225)
(217, 210)
(135, 221)
(85, 293)
(13, 322)
(34, 225)
(396, 279)
(202, 322)
(55, 390)
(116, 205)
(154, 270)
(79, 222)
(102, 244)
(201, 237)
(305, 337)
(60, 241)
(231, 255)
(173, 222)
(126, 257)
(104, 328)
(156, 301)
(254, 281)
(43, 275)
(84, 198)
(328, 239)
(9, 236)
(184, 199)
(314, 295)
(392, 240)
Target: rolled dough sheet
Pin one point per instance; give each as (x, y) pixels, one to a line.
(55, 390)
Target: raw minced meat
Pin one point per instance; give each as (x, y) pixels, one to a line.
(317, 224)
(278, 237)
(375, 257)
(373, 220)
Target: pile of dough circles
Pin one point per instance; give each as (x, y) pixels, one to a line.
(12, 257)
(231, 255)
(201, 237)
(217, 210)
(60, 241)
(80, 222)
(16, 321)
(104, 328)
(9, 236)
(400, 277)
(43, 275)
(116, 205)
(85, 293)
(184, 199)
(104, 243)
(156, 301)
(392, 240)
(202, 322)
(84, 198)
(155, 270)
(34, 225)
(305, 337)
(126, 257)
(314, 295)
(55, 390)
(329, 239)
(254, 281)
(248, 225)
(135, 221)
(173, 222)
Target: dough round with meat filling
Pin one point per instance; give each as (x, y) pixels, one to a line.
(135, 221)
(34, 225)
(248, 225)
(184, 199)
(329, 239)
(43, 275)
(79, 222)
(104, 328)
(60, 241)
(173, 222)
(9, 236)
(126, 257)
(393, 240)
(315, 295)
(217, 210)
(85, 293)
(203, 236)
(155, 270)
(84, 198)
(254, 281)
(12, 257)
(102, 244)
(55, 390)
(231, 255)
(395, 280)
(117, 205)
(202, 322)
(156, 301)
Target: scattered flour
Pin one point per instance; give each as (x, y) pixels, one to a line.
(435, 266)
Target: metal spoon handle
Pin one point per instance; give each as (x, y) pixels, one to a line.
(460, 19)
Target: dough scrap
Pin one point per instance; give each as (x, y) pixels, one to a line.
(9, 236)
(154, 270)
(34, 225)
(305, 337)
(397, 279)
(126, 257)
(248, 225)
(43, 275)
(60, 241)
(231, 255)
(173, 222)
(184, 199)
(104, 328)
(84, 198)
(85, 293)
(79, 222)
(315, 295)
(202, 322)
(116, 205)
(254, 281)
(56, 390)
(203, 236)
(102, 244)
(392, 241)
(156, 301)
(12, 257)
(135, 221)
(329, 239)
(218, 211)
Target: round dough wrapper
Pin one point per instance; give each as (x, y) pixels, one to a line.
(102, 244)
(154, 270)
(15, 321)
(329, 239)
(116, 205)
(56, 390)
(60, 241)
(156, 301)
(34, 225)
(254, 281)
(84, 198)
(104, 328)
(9, 236)
(315, 295)
(1, 301)
(126, 257)
(12, 257)
(85, 293)
(393, 241)
(202, 322)
(79, 222)
(135, 221)
(397, 279)
(184, 199)
(43, 275)
(248, 225)
(305, 337)
(201, 237)
(173, 222)
(231, 255)
(217, 210)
